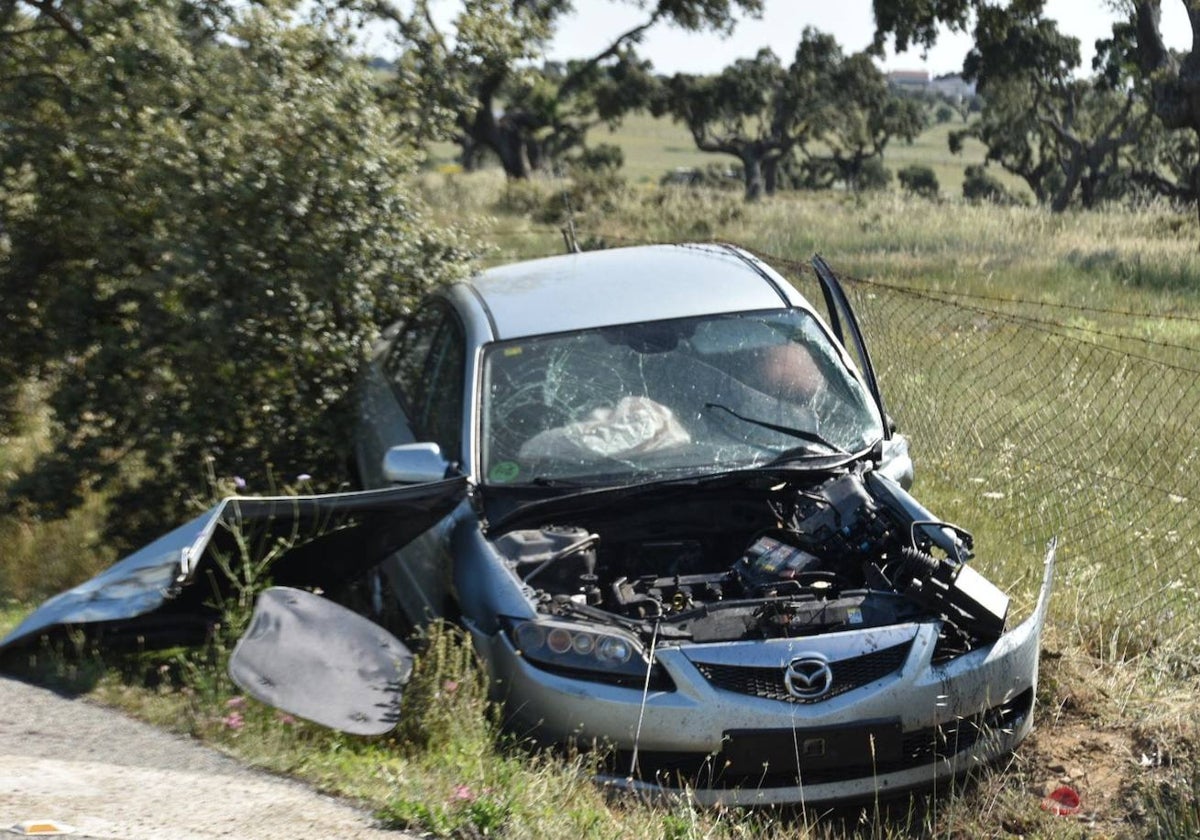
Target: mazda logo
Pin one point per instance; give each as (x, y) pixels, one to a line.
(808, 677)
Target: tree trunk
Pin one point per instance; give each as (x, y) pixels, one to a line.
(1196, 183)
(509, 145)
(771, 164)
(770, 176)
(470, 153)
(1073, 169)
(752, 172)
(1176, 85)
(503, 136)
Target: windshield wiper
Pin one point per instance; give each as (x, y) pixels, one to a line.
(803, 434)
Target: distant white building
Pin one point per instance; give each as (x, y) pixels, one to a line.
(950, 85)
(908, 79)
(953, 86)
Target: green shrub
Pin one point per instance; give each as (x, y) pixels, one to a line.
(603, 157)
(523, 198)
(873, 176)
(203, 240)
(979, 186)
(919, 180)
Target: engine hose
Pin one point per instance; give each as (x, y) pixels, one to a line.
(918, 564)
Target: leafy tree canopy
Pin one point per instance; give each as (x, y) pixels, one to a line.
(479, 83)
(1062, 134)
(1168, 80)
(836, 109)
(742, 111)
(203, 221)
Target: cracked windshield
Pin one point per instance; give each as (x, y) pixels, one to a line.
(642, 401)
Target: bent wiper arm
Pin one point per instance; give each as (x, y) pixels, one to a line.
(803, 434)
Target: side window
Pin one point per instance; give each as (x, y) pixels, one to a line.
(427, 368)
(445, 372)
(405, 365)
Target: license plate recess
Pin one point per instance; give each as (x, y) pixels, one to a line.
(868, 744)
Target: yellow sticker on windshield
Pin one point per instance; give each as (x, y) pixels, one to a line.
(513, 351)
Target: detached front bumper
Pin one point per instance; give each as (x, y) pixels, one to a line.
(726, 735)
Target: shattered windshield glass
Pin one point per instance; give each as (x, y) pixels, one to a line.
(655, 399)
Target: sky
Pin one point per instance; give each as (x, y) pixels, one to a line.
(596, 22)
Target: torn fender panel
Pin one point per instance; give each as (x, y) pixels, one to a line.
(306, 655)
(310, 541)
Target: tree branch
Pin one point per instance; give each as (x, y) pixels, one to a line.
(1152, 52)
(577, 75)
(47, 8)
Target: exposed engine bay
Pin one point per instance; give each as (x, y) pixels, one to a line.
(848, 551)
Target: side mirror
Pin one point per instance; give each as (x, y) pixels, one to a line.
(415, 463)
(895, 462)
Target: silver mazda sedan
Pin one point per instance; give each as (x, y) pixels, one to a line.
(662, 494)
(689, 537)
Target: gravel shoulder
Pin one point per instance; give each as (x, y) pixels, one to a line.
(109, 776)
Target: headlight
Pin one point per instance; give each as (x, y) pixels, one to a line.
(586, 652)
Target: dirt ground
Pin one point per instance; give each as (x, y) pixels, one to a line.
(1085, 741)
(109, 776)
(1094, 763)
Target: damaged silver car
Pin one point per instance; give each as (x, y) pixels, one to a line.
(661, 492)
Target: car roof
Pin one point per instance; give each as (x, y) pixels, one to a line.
(626, 285)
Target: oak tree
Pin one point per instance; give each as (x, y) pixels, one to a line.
(483, 83)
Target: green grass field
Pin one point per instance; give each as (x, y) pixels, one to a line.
(1069, 410)
(654, 147)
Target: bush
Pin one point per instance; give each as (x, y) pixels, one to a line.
(919, 180)
(873, 177)
(206, 241)
(601, 158)
(979, 186)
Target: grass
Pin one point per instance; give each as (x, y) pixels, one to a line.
(656, 146)
(447, 771)
(987, 397)
(653, 147)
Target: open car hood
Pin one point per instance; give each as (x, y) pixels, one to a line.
(168, 591)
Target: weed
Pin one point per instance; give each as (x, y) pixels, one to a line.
(1169, 807)
(445, 701)
(464, 813)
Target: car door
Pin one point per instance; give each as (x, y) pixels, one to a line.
(167, 592)
(895, 462)
(408, 391)
(426, 373)
(845, 326)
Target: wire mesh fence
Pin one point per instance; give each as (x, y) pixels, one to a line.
(1035, 421)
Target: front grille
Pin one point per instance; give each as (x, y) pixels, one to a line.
(848, 674)
(919, 748)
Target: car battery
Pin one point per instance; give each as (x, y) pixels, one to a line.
(769, 560)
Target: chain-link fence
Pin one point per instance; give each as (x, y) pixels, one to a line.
(1030, 421)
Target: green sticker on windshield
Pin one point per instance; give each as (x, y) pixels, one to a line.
(504, 471)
